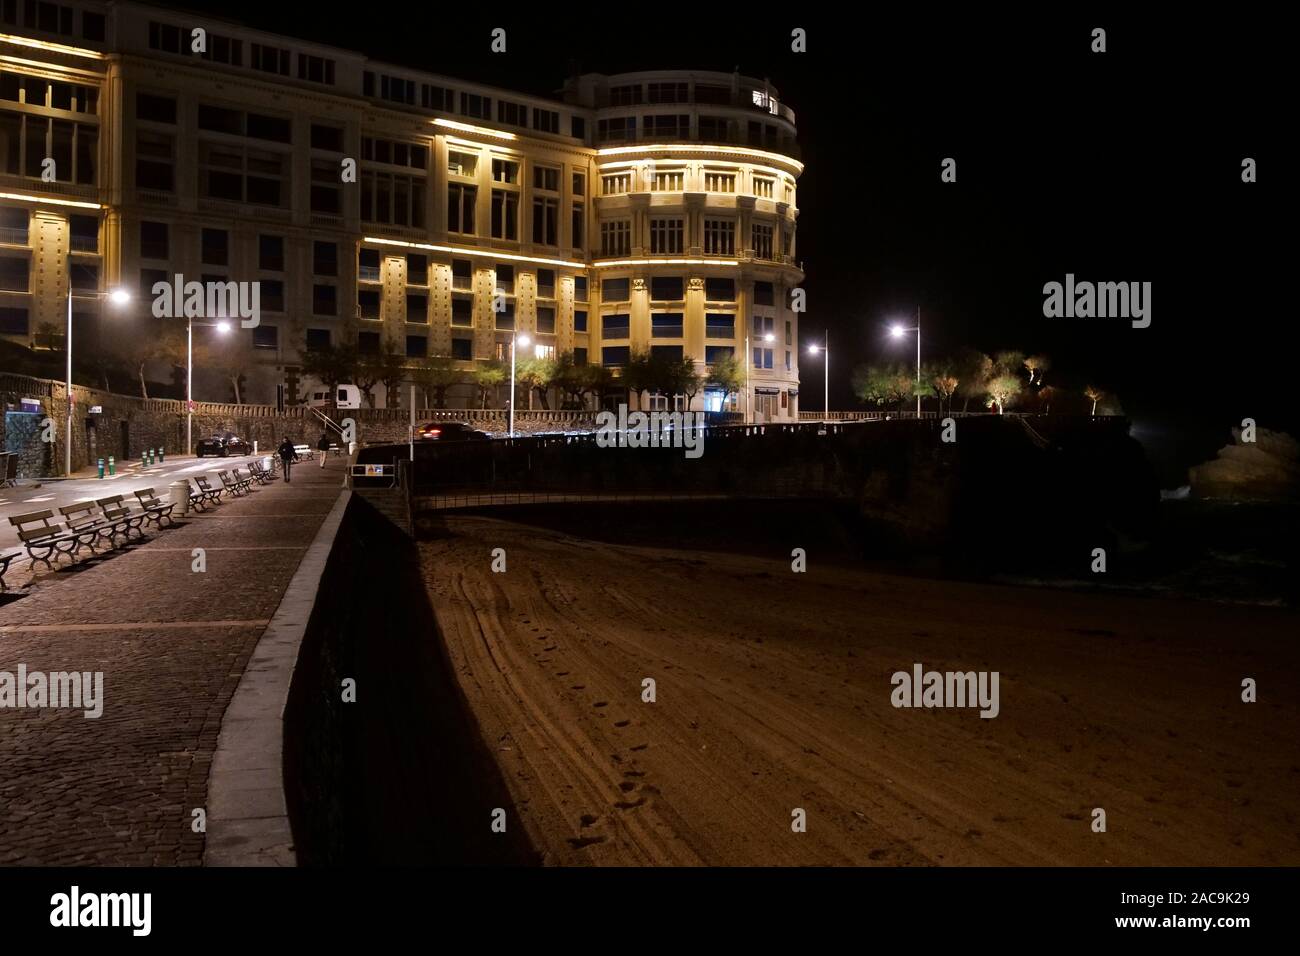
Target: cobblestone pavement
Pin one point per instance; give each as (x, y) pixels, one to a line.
(172, 644)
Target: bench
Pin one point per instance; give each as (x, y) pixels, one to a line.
(206, 493)
(247, 478)
(46, 537)
(235, 485)
(5, 560)
(259, 471)
(155, 511)
(115, 509)
(83, 519)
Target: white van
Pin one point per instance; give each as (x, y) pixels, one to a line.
(349, 396)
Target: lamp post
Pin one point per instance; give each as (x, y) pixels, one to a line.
(898, 332)
(825, 349)
(222, 328)
(118, 297)
(749, 360)
(522, 340)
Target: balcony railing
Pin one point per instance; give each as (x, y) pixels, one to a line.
(12, 236)
(368, 273)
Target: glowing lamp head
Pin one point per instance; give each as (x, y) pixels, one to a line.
(524, 341)
(769, 337)
(896, 331)
(814, 349)
(223, 327)
(119, 297)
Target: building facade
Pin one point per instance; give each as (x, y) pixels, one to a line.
(385, 207)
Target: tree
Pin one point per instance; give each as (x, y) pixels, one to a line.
(726, 375)
(685, 379)
(537, 374)
(944, 382)
(569, 380)
(488, 376)
(1095, 394)
(595, 381)
(883, 384)
(972, 370)
(332, 365)
(638, 375)
(1037, 365)
(1002, 391)
(1008, 363)
(436, 375)
(390, 368)
(366, 375)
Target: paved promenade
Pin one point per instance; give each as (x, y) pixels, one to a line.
(172, 644)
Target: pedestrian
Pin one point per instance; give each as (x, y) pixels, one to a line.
(323, 446)
(287, 455)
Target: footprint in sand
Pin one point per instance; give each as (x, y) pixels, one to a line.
(627, 786)
(640, 747)
(578, 687)
(579, 843)
(601, 703)
(630, 804)
(622, 723)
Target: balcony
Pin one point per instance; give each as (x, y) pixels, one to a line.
(13, 236)
(368, 273)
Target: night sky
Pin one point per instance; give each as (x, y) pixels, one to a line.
(1122, 166)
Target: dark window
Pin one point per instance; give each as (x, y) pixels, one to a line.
(578, 127)
(368, 343)
(327, 137)
(462, 348)
(325, 258)
(615, 290)
(153, 240)
(271, 295)
(270, 253)
(580, 320)
(720, 325)
(462, 274)
(417, 346)
(368, 303)
(270, 127)
(84, 232)
(666, 288)
(666, 325)
(92, 26)
(417, 269)
(221, 120)
(324, 300)
(546, 283)
(462, 311)
(158, 109)
(14, 274)
(580, 356)
(506, 278)
(13, 320)
(715, 353)
(614, 355)
(318, 339)
(417, 309)
(150, 278)
(216, 247)
(153, 163)
(505, 319)
(763, 293)
(672, 352)
(614, 326)
(266, 337)
(546, 320)
(720, 290)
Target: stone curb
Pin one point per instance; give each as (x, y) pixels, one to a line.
(248, 818)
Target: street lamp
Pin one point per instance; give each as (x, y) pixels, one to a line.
(749, 360)
(523, 340)
(898, 331)
(119, 297)
(826, 383)
(222, 328)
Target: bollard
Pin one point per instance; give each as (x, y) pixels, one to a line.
(112, 466)
(144, 459)
(151, 456)
(101, 468)
(160, 456)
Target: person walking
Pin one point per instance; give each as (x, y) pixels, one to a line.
(287, 455)
(323, 446)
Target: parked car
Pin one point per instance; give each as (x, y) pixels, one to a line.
(223, 446)
(449, 431)
(347, 396)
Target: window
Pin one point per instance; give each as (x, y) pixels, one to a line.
(505, 171)
(666, 126)
(719, 290)
(215, 247)
(14, 225)
(368, 303)
(392, 198)
(472, 104)
(417, 269)
(667, 93)
(665, 236)
(155, 109)
(266, 337)
(614, 326)
(578, 225)
(546, 283)
(368, 265)
(236, 173)
(368, 343)
(719, 237)
(505, 319)
(616, 128)
(580, 288)
(672, 353)
(315, 69)
(149, 278)
(92, 26)
(154, 241)
(580, 320)
(513, 114)
(764, 294)
(546, 320)
(162, 36)
(579, 184)
(719, 325)
(462, 312)
(462, 164)
(393, 152)
(789, 339)
(271, 294)
(325, 258)
(666, 325)
(462, 348)
(417, 346)
(546, 211)
(318, 340)
(437, 98)
(14, 274)
(666, 288)
(505, 214)
(324, 300)
(462, 274)
(577, 127)
(614, 355)
(222, 49)
(327, 137)
(13, 320)
(762, 241)
(546, 121)
(270, 253)
(625, 96)
(787, 360)
(460, 207)
(616, 238)
(615, 290)
(716, 353)
(269, 59)
(417, 308)
(505, 275)
(396, 90)
(713, 129)
(326, 189)
(547, 178)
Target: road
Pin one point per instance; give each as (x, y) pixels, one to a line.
(773, 694)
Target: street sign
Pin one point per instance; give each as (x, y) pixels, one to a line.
(96, 409)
